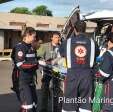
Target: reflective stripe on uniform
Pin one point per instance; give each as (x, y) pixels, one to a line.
(104, 74)
(19, 63)
(27, 106)
(69, 53)
(84, 110)
(30, 55)
(92, 55)
(111, 52)
(67, 111)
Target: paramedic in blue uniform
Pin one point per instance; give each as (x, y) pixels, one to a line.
(105, 74)
(79, 52)
(25, 65)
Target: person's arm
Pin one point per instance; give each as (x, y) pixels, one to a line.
(21, 63)
(105, 67)
(13, 54)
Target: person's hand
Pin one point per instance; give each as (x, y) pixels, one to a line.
(42, 63)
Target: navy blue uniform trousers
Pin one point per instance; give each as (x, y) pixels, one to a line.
(78, 85)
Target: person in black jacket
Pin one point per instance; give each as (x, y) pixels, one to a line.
(79, 51)
(25, 66)
(105, 74)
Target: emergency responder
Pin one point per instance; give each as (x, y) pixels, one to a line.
(79, 51)
(25, 66)
(51, 57)
(105, 74)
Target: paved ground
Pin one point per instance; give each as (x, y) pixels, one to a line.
(8, 100)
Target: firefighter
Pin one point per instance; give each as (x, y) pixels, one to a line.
(25, 66)
(51, 57)
(79, 51)
(105, 74)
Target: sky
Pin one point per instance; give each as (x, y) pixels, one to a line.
(61, 8)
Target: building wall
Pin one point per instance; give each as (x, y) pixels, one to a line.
(1, 39)
(11, 38)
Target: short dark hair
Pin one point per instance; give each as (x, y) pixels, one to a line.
(28, 30)
(56, 33)
(80, 26)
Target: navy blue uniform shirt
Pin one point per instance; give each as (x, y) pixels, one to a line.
(25, 60)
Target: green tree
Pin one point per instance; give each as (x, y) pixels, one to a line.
(3, 1)
(22, 10)
(42, 10)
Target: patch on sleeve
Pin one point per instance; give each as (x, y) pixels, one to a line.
(20, 54)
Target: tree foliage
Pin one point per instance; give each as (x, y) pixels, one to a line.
(42, 10)
(22, 10)
(39, 10)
